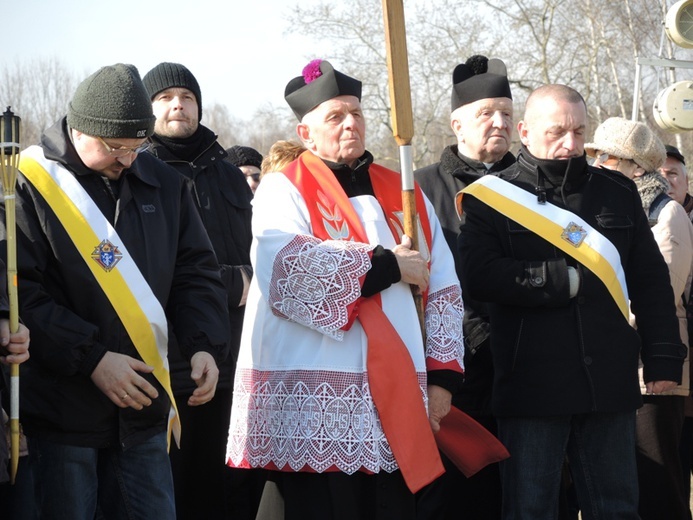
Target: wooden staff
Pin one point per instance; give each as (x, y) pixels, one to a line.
(402, 122)
(9, 162)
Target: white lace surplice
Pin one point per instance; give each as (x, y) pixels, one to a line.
(301, 395)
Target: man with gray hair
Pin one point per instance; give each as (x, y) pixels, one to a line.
(482, 120)
(674, 171)
(112, 256)
(333, 374)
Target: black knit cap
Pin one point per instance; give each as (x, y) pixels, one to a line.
(112, 102)
(169, 75)
(244, 156)
(479, 78)
(319, 82)
(672, 151)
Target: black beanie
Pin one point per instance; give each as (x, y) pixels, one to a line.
(169, 75)
(318, 83)
(244, 156)
(479, 78)
(112, 102)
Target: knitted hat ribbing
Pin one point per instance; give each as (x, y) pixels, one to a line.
(169, 75)
(112, 102)
(244, 156)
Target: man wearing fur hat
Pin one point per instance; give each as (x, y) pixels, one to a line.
(333, 371)
(112, 256)
(561, 251)
(482, 120)
(205, 487)
(633, 149)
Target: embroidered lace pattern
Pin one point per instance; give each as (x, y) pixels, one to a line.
(319, 419)
(444, 312)
(313, 282)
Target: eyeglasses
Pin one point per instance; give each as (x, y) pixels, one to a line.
(604, 157)
(123, 150)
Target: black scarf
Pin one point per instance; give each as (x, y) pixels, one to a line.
(188, 148)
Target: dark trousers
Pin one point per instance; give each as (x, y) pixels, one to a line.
(686, 452)
(204, 486)
(453, 496)
(338, 496)
(660, 478)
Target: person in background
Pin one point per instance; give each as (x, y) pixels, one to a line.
(112, 256)
(482, 120)
(205, 487)
(674, 171)
(333, 370)
(633, 149)
(249, 161)
(558, 249)
(280, 154)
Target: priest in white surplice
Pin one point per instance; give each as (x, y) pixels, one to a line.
(335, 388)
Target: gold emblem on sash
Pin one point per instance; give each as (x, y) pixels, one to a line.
(106, 255)
(574, 234)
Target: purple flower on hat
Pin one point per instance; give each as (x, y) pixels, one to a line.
(312, 71)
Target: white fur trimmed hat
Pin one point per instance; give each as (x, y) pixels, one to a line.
(628, 139)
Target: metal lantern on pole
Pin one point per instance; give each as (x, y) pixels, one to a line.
(9, 162)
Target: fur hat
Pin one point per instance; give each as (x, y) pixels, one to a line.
(319, 82)
(112, 102)
(479, 78)
(244, 156)
(169, 75)
(628, 139)
(674, 152)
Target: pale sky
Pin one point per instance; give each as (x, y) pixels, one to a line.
(237, 49)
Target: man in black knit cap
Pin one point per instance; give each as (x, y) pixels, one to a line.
(205, 487)
(112, 256)
(482, 120)
(249, 161)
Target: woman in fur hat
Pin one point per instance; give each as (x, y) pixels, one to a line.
(634, 150)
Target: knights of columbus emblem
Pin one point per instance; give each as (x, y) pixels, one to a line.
(574, 234)
(107, 255)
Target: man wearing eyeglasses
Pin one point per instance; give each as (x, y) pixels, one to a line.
(112, 256)
(222, 197)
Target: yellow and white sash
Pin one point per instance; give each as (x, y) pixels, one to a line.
(118, 276)
(562, 228)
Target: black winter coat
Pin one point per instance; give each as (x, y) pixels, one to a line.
(441, 182)
(223, 199)
(71, 321)
(559, 355)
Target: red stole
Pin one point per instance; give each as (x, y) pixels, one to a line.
(392, 376)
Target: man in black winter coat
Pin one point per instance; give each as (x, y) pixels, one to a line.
(482, 120)
(112, 258)
(205, 486)
(560, 250)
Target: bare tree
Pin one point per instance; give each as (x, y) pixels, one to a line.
(39, 92)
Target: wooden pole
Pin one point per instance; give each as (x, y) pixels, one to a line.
(402, 121)
(9, 162)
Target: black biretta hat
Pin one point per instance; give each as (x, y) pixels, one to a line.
(318, 83)
(479, 78)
